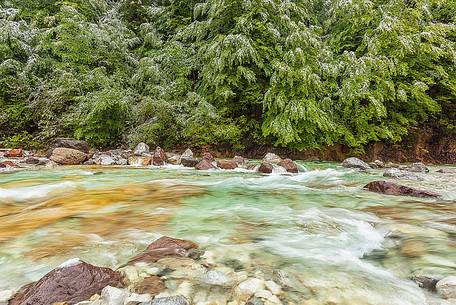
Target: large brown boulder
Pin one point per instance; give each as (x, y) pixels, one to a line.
(14, 153)
(204, 165)
(159, 158)
(289, 165)
(389, 188)
(165, 247)
(265, 168)
(8, 164)
(68, 143)
(68, 156)
(227, 164)
(71, 284)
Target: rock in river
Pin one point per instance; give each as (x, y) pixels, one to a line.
(265, 168)
(271, 158)
(174, 300)
(227, 164)
(69, 143)
(289, 165)
(417, 167)
(141, 149)
(68, 156)
(71, 283)
(446, 287)
(355, 163)
(204, 165)
(14, 153)
(401, 174)
(187, 159)
(389, 188)
(159, 157)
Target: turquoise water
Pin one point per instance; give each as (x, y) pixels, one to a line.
(338, 242)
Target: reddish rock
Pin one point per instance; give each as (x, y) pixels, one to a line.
(159, 157)
(152, 285)
(14, 153)
(165, 247)
(8, 164)
(289, 165)
(68, 156)
(208, 156)
(265, 168)
(204, 165)
(70, 284)
(240, 160)
(389, 188)
(227, 164)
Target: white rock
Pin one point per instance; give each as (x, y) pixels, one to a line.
(114, 296)
(70, 263)
(446, 287)
(272, 158)
(251, 286)
(140, 298)
(141, 148)
(274, 287)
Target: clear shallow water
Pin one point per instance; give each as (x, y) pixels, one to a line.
(337, 242)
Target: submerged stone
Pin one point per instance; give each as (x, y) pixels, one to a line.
(70, 283)
(390, 188)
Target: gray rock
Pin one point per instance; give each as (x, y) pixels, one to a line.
(271, 158)
(141, 149)
(418, 167)
(401, 174)
(447, 171)
(187, 159)
(446, 287)
(174, 300)
(425, 282)
(355, 163)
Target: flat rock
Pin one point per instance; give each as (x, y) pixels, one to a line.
(165, 247)
(227, 164)
(446, 287)
(355, 163)
(70, 283)
(68, 143)
(68, 156)
(390, 188)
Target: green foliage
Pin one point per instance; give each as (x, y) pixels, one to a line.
(236, 74)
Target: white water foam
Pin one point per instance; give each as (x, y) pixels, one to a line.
(34, 192)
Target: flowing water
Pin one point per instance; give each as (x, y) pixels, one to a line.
(338, 243)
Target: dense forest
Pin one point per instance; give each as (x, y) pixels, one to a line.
(233, 73)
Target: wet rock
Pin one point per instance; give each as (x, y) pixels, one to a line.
(289, 165)
(208, 156)
(265, 168)
(68, 156)
(204, 165)
(254, 301)
(174, 300)
(401, 174)
(173, 158)
(389, 188)
(379, 164)
(273, 287)
(251, 286)
(447, 171)
(446, 287)
(71, 283)
(159, 158)
(425, 282)
(141, 149)
(113, 295)
(139, 160)
(187, 159)
(165, 247)
(271, 158)
(152, 285)
(240, 160)
(68, 143)
(418, 167)
(32, 161)
(227, 164)
(355, 163)
(8, 163)
(14, 153)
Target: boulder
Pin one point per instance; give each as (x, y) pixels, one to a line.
(70, 283)
(14, 153)
(139, 160)
(289, 165)
(265, 168)
(240, 160)
(68, 143)
(401, 174)
(159, 158)
(189, 162)
(173, 158)
(8, 163)
(205, 165)
(271, 158)
(389, 188)
(165, 247)
(68, 156)
(112, 157)
(141, 149)
(208, 156)
(227, 164)
(174, 300)
(355, 163)
(425, 282)
(418, 167)
(446, 287)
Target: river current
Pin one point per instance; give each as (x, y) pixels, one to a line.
(339, 243)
